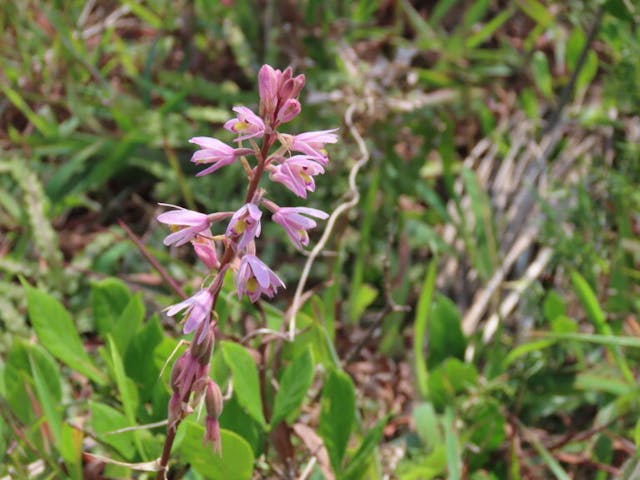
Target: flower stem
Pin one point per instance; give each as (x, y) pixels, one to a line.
(216, 286)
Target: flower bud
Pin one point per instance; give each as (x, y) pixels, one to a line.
(202, 344)
(288, 111)
(268, 80)
(177, 372)
(212, 434)
(175, 409)
(213, 399)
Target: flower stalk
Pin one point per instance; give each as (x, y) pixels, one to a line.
(190, 381)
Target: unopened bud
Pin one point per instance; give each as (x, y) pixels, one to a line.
(213, 399)
(298, 84)
(177, 371)
(202, 344)
(212, 434)
(175, 409)
(288, 111)
(286, 89)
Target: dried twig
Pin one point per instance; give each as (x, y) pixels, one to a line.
(354, 195)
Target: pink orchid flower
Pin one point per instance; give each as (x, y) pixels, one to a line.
(186, 224)
(198, 309)
(254, 278)
(311, 143)
(247, 124)
(296, 173)
(244, 225)
(215, 152)
(205, 249)
(296, 224)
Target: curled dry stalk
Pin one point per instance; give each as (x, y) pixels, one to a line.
(354, 198)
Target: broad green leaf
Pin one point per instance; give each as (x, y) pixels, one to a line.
(537, 11)
(235, 418)
(71, 450)
(444, 332)
(127, 389)
(427, 425)
(48, 403)
(450, 378)
(128, 394)
(246, 384)
(109, 298)
(337, 414)
(128, 323)
(236, 461)
(362, 298)
(553, 306)
(295, 383)
(56, 332)
(364, 455)
(420, 328)
(138, 362)
(104, 421)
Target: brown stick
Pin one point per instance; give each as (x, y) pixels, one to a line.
(152, 260)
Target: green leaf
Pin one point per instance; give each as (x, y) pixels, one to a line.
(597, 317)
(541, 73)
(71, 450)
(537, 11)
(450, 378)
(361, 299)
(295, 383)
(362, 458)
(56, 332)
(128, 323)
(109, 298)
(337, 414)
(48, 402)
(588, 72)
(137, 362)
(235, 418)
(246, 384)
(104, 420)
(127, 393)
(420, 328)
(452, 443)
(526, 348)
(426, 422)
(553, 306)
(236, 461)
(444, 332)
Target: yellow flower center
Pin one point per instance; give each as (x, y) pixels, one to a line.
(239, 227)
(240, 126)
(305, 177)
(252, 285)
